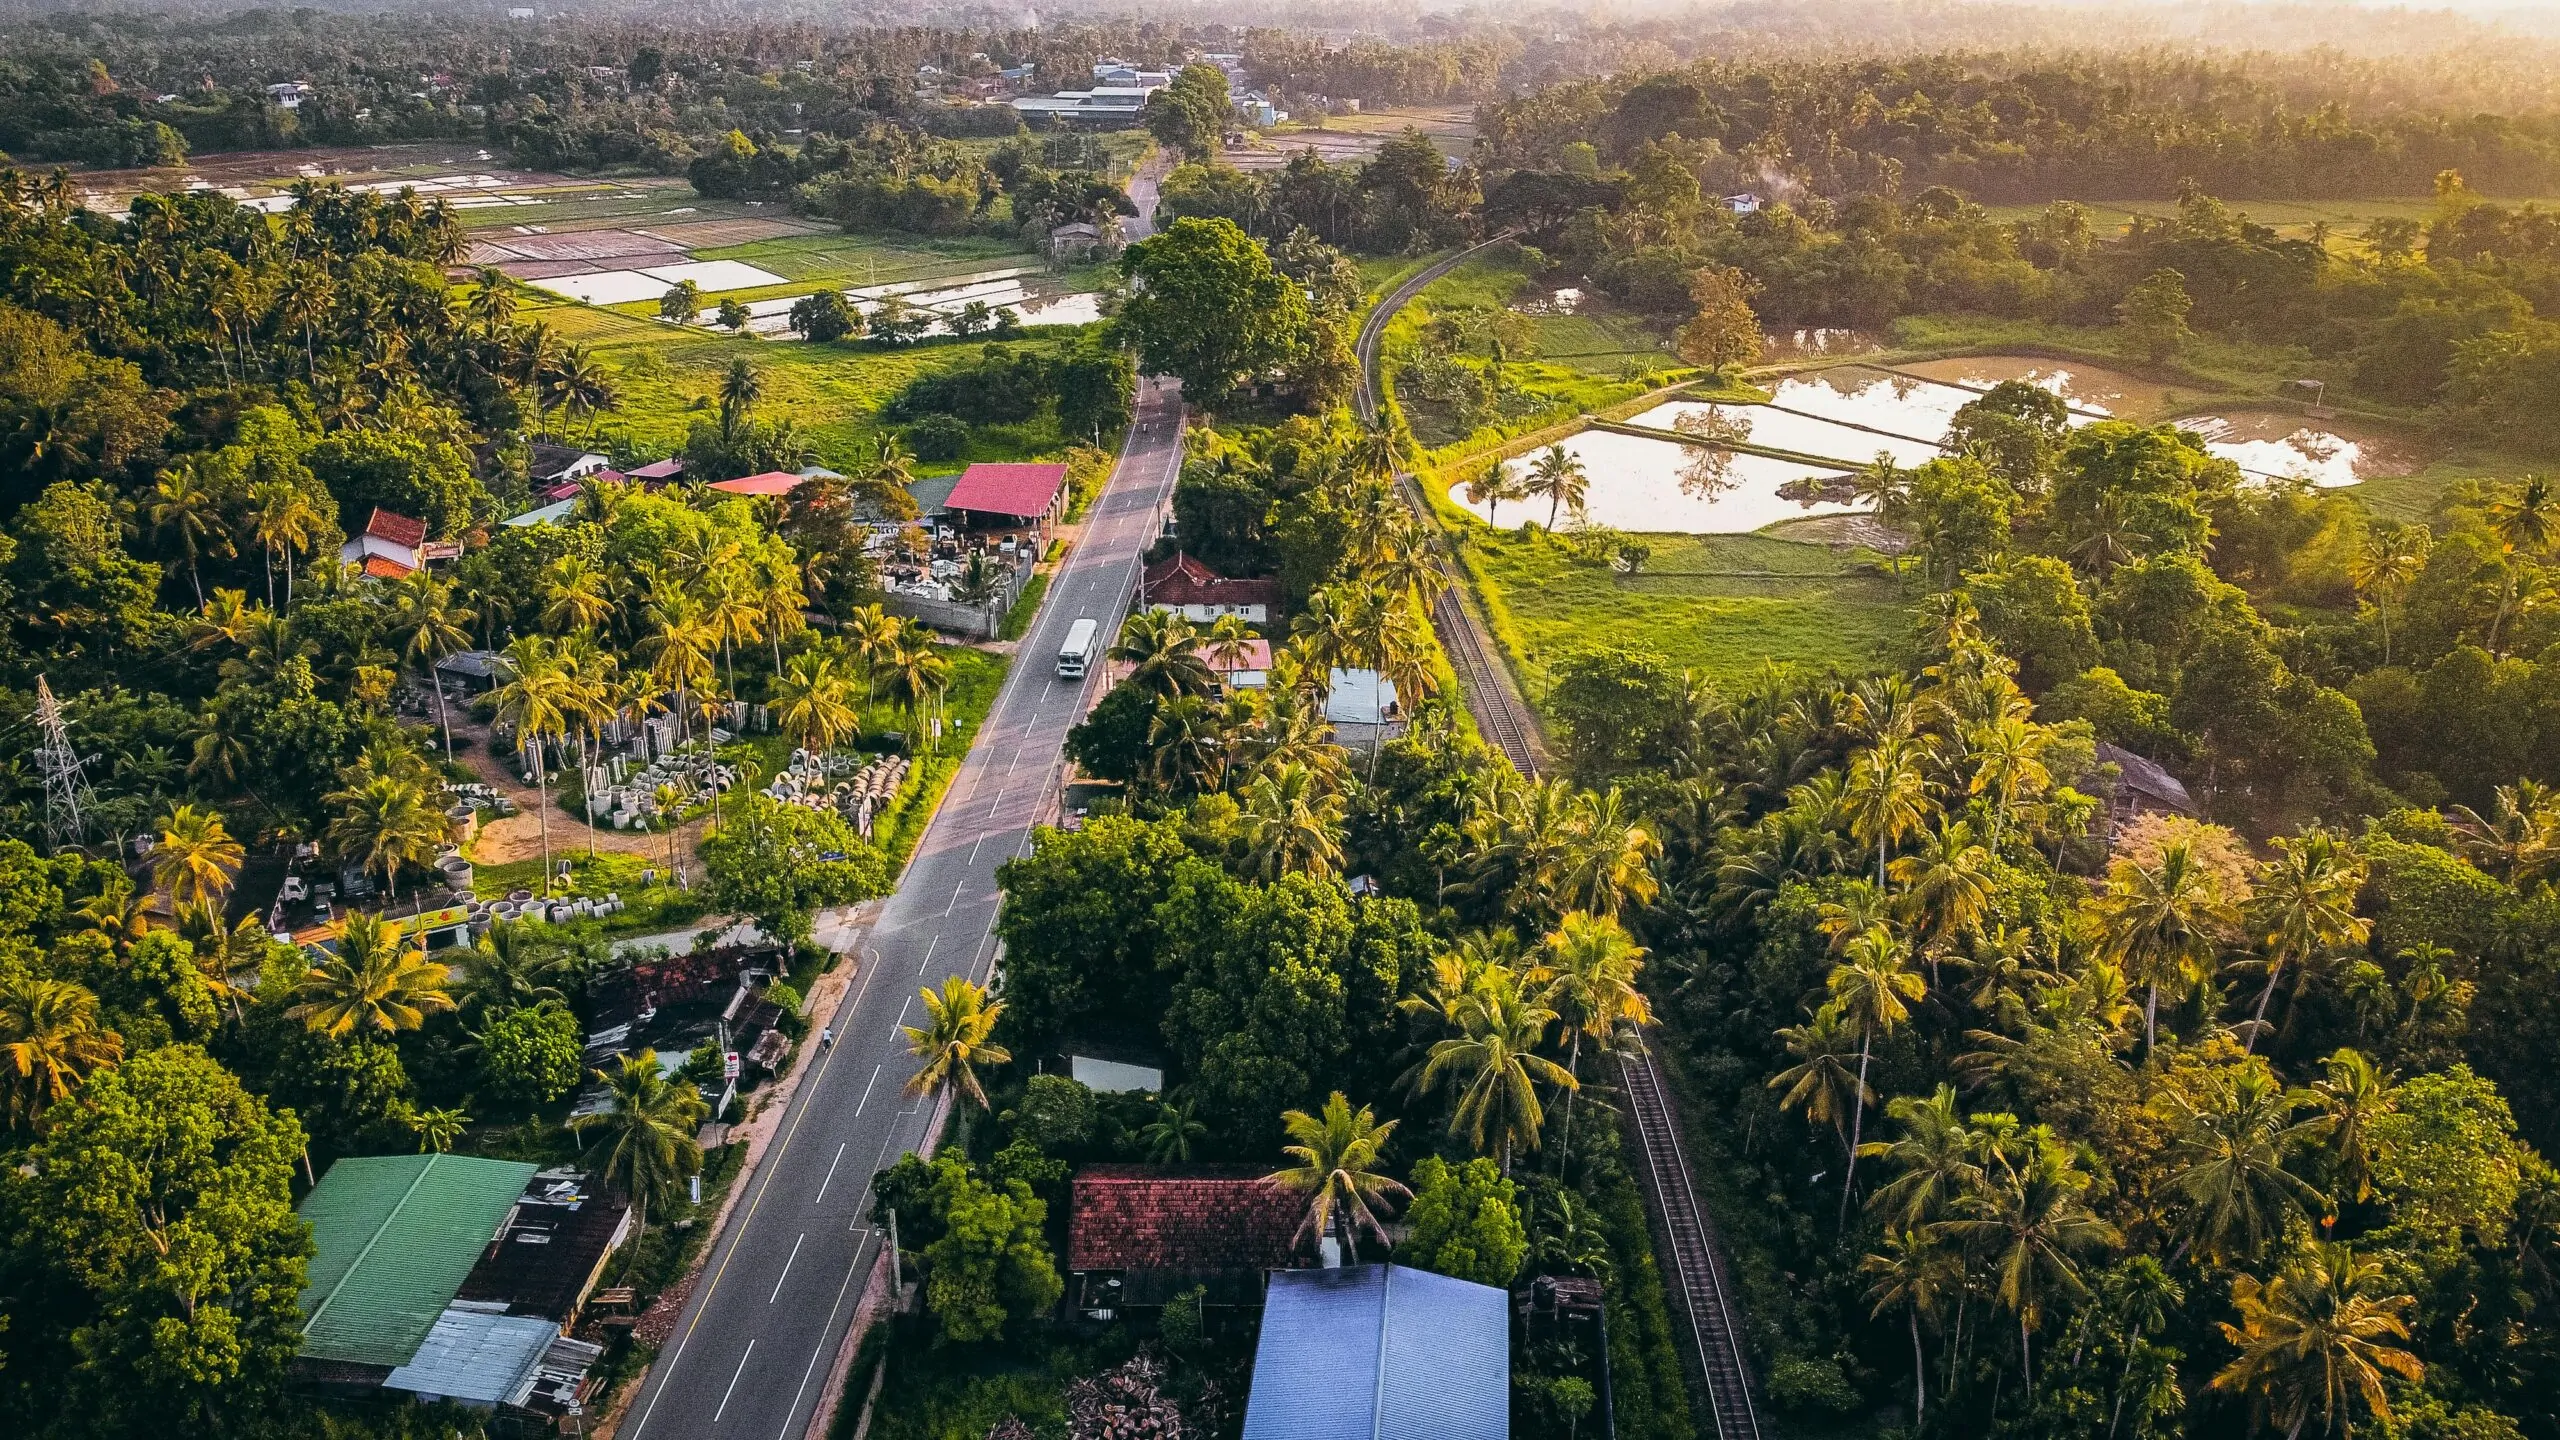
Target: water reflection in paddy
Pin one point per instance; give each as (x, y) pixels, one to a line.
(1662, 485)
(2325, 452)
(1786, 430)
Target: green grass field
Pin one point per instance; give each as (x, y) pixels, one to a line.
(1724, 605)
(668, 378)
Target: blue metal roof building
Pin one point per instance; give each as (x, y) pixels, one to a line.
(1380, 1352)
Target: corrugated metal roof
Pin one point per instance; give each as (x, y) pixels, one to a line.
(1380, 1352)
(478, 1357)
(394, 1235)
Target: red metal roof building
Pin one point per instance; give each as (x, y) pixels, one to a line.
(1017, 492)
(771, 482)
(1138, 1235)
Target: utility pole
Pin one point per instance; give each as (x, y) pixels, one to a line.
(64, 785)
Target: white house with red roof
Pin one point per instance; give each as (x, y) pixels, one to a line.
(392, 545)
(1180, 582)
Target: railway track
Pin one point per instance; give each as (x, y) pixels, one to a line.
(1720, 1377)
(1688, 1233)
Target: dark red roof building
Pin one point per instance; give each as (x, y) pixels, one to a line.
(1138, 1235)
(1181, 582)
(1019, 492)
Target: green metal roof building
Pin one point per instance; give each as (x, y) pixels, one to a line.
(395, 1236)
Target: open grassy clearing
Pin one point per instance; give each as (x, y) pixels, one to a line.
(1723, 605)
(669, 377)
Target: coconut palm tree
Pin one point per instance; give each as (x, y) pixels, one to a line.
(50, 1040)
(2519, 839)
(537, 701)
(2304, 907)
(812, 700)
(1873, 988)
(226, 958)
(2390, 561)
(1586, 971)
(195, 858)
(1914, 1274)
(648, 1129)
(1187, 746)
(577, 594)
(284, 522)
(1558, 475)
(1608, 858)
(1228, 643)
(187, 510)
(377, 981)
(733, 610)
(740, 389)
(384, 823)
(1334, 1156)
(1822, 1084)
(780, 599)
(1886, 797)
(1291, 824)
(2230, 1148)
(2525, 521)
(2351, 1096)
(1491, 488)
(1493, 1064)
(678, 647)
(1170, 1136)
(506, 971)
(2161, 922)
(429, 626)
(1162, 650)
(2030, 1220)
(2316, 1340)
(1947, 884)
(437, 1129)
(2008, 766)
(918, 677)
(1937, 1160)
(954, 1041)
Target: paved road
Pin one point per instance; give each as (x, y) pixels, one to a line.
(752, 1349)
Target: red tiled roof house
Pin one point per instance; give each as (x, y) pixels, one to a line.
(1182, 583)
(392, 545)
(1139, 1235)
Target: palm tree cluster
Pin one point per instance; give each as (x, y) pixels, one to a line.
(2129, 1135)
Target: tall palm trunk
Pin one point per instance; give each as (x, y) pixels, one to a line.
(1919, 1377)
(443, 721)
(2151, 1019)
(542, 814)
(2258, 1016)
(1857, 1126)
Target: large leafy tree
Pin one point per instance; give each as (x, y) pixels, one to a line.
(157, 1255)
(1466, 1221)
(1080, 929)
(1207, 306)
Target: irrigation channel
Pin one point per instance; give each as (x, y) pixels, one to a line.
(1684, 1231)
